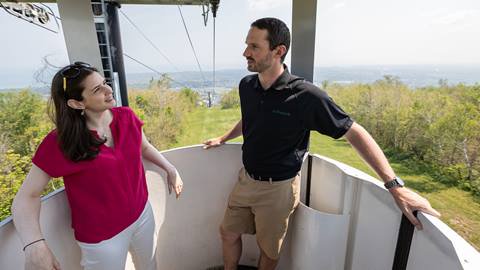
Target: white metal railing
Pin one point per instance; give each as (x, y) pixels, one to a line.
(352, 221)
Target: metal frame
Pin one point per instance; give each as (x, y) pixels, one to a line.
(102, 19)
(304, 15)
(142, 2)
(48, 11)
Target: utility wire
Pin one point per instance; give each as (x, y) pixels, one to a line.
(214, 4)
(213, 55)
(149, 41)
(191, 45)
(154, 70)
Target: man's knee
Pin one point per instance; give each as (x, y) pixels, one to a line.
(229, 237)
(266, 257)
(265, 262)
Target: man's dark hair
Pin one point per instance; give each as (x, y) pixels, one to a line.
(278, 32)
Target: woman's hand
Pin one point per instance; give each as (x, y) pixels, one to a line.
(174, 181)
(39, 257)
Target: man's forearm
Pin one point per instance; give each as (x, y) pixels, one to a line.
(369, 150)
(407, 200)
(233, 133)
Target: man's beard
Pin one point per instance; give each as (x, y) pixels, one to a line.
(259, 66)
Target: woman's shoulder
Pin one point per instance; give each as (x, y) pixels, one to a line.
(52, 135)
(122, 110)
(124, 114)
(50, 141)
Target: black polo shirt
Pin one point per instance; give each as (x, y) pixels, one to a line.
(276, 123)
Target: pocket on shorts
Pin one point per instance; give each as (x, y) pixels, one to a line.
(295, 184)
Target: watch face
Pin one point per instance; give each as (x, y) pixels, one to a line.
(400, 181)
(396, 182)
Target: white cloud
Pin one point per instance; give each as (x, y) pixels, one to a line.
(459, 17)
(433, 12)
(334, 7)
(339, 5)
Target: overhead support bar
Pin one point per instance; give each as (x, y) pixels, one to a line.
(116, 49)
(304, 15)
(79, 31)
(140, 2)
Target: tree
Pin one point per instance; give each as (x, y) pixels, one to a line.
(230, 99)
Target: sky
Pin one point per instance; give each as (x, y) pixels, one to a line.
(348, 33)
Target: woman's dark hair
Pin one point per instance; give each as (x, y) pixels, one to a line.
(76, 141)
(278, 33)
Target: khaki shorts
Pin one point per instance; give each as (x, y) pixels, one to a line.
(262, 207)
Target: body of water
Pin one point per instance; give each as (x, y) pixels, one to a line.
(413, 76)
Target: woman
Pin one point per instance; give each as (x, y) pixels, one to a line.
(97, 149)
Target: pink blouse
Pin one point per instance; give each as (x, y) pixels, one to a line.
(105, 194)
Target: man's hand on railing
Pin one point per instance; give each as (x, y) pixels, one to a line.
(214, 142)
(409, 201)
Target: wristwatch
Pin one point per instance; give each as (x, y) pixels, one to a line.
(395, 182)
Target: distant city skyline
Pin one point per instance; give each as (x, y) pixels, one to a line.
(349, 33)
(414, 76)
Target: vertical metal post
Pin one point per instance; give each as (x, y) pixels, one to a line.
(309, 180)
(304, 15)
(404, 242)
(116, 50)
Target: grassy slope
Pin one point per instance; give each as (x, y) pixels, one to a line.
(204, 123)
(459, 209)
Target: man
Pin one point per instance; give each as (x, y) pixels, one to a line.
(278, 112)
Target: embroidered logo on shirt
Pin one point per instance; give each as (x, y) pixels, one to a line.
(281, 113)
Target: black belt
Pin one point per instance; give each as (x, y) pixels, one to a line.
(267, 178)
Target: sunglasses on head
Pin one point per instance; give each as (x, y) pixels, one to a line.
(72, 71)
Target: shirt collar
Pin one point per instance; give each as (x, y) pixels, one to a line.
(280, 83)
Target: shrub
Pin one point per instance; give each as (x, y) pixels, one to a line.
(230, 99)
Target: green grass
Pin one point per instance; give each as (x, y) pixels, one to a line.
(204, 123)
(459, 209)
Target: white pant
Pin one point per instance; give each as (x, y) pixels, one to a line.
(139, 238)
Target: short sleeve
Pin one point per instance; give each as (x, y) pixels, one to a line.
(128, 117)
(51, 159)
(319, 112)
(244, 82)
